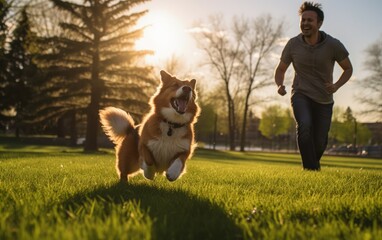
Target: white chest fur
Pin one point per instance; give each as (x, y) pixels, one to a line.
(165, 147)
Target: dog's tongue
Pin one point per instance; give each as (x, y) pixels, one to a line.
(182, 105)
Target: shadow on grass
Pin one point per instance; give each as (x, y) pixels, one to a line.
(176, 214)
(224, 156)
(358, 166)
(228, 157)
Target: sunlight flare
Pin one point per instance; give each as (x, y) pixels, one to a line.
(163, 35)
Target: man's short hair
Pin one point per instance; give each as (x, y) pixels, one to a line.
(311, 6)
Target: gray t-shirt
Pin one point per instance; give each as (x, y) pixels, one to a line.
(313, 65)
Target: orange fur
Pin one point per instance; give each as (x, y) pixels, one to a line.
(165, 140)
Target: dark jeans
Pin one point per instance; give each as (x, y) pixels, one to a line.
(312, 127)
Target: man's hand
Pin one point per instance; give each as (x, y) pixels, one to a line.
(279, 77)
(281, 90)
(331, 88)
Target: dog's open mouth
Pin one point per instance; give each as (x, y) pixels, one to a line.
(180, 104)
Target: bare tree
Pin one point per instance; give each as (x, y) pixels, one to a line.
(259, 38)
(371, 94)
(222, 54)
(239, 54)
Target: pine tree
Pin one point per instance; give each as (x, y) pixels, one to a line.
(350, 131)
(21, 70)
(94, 63)
(4, 10)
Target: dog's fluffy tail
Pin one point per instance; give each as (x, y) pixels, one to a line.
(115, 123)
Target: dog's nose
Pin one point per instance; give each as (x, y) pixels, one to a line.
(186, 89)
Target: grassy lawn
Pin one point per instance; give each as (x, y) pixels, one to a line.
(61, 193)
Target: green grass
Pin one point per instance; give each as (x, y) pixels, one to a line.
(52, 193)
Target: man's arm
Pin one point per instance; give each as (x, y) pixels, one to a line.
(279, 77)
(345, 76)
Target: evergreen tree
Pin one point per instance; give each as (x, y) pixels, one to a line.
(353, 132)
(346, 130)
(348, 115)
(21, 70)
(4, 9)
(94, 63)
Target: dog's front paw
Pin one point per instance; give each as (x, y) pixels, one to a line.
(148, 171)
(174, 171)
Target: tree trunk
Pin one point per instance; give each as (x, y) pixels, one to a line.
(17, 131)
(73, 128)
(231, 119)
(244, 128)
(246, 108)
(91, 143)
(61, 127)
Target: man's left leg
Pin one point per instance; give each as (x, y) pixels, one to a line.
(321, 126)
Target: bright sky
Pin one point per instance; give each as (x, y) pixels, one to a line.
(357, 24)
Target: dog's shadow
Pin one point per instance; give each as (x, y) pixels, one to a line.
(176, 214)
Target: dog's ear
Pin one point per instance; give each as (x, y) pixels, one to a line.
(193, 83)
(165, 76)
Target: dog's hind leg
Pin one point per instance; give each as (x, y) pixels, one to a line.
(127, 158)
(121, 169)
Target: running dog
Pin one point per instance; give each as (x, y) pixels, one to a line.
(165, 139)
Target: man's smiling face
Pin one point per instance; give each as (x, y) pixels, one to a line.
(309, 23)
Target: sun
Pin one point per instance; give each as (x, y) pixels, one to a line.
(163, 35)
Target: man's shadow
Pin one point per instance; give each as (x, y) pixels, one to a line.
(175, 213)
